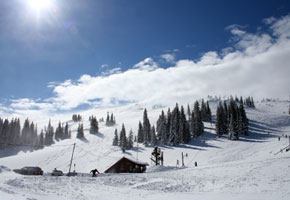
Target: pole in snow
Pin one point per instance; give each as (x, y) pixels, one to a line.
(72, 155)
(182, 158)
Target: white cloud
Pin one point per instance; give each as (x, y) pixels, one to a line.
(30, 104)
(281, 28)
(104, 65)
(257, 65)
(116, 70)
(146, 64)
(269, 20)
(170, 58)
(236, 29)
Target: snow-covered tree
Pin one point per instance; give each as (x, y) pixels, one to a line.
(161, 128)
(146, 128)
(153, 136)
(130, 140)
(140, 133)
(123, 138)
(80, 132)
(116, 138)
(174, 137)
(94, 125)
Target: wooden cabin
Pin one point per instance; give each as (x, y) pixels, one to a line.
(127, 165)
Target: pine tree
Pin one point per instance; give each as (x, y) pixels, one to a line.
(123, 138)
(153, 136)
(219, 120)
(241, 100)
(116, 138)
(161, 128)
(4, 133)
(208, 112)
(94, 125)
(174, 137)
(203, 111)
(183, 128)
(108, 120)
(168, 125)
(15, 131)
(59, 132)
(25, 133)
(41, 138)
(66, 131)
(34, 139)
(243, 121)
(231, 129)
(252, 102)
(197, 125)
(112, 119)
(140, 133)
(49, 133)
(130, 140)
(188, 112)
(234, 124)
(10, 138)
(146, 128)
(80, 132)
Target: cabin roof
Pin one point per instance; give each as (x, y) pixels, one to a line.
(130, 159)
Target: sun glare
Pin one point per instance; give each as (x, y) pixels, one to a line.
(39, 4)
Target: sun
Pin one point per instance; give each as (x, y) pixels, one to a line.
(39, 4)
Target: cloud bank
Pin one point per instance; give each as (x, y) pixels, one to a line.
(257, 64)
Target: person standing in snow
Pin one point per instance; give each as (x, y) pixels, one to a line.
(195, 163)
(94, 171)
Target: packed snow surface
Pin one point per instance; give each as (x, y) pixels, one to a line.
(251, 168)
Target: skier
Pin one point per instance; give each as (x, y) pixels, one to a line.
(94, 171)
(195, 163)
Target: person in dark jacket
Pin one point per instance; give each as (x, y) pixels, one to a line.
(94, 171)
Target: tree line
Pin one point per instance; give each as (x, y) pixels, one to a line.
(231, 119)
(121, 140)
(110, 120)
(94, 127)
(11, 134)
(175, 128)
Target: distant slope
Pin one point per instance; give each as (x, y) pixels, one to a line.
(226, 169)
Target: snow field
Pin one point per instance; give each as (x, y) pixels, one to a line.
(244, 169)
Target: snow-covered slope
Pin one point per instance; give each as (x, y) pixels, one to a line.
(244, 169)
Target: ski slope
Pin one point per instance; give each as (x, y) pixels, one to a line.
(244, 169)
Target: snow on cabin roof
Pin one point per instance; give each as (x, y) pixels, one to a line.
(130, 159)
(135, 161)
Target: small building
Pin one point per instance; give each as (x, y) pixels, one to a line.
(127, 165)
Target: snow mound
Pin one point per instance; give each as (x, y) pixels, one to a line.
(160, 168)
(4, 169)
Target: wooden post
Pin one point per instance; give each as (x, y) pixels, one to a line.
(71, 159)
(182, 159)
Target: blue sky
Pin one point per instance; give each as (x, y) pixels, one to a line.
(73, 39)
